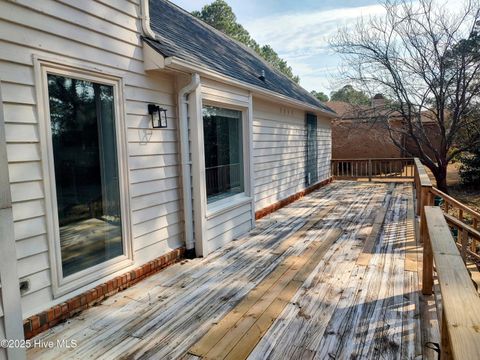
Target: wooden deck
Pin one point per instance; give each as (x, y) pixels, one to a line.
(331, 276)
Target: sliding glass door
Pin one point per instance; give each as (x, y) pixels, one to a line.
(82, 118)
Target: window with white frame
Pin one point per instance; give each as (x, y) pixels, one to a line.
(85, 168)
(223, 145)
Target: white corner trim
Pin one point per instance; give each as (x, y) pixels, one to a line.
(9, 287)
(251, 171)
(185, 158)
(198, 171)
(145, 12)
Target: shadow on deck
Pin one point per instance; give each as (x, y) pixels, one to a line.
(331, 276)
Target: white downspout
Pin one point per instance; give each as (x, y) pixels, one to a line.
(186, 162)
(147, 30)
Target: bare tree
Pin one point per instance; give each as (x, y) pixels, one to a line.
(426, 59)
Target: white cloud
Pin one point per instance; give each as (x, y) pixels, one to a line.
(298, 32)
(302, 39)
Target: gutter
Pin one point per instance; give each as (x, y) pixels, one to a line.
(145, 14)
(183, 65)
(186, 163)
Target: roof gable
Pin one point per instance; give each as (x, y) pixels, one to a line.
(181, 35)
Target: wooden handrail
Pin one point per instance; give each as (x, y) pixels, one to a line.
(460, 301)
(366, 159)
(456, 203)
(374, 168)
(424, 179)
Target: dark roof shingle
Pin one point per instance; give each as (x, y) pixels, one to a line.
(181, 35)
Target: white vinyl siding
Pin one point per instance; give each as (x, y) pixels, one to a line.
(105, 35)
(229, 225)
(279, 150)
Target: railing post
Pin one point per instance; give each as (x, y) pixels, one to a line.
(426, 199)
(427, 280)
(369, 169)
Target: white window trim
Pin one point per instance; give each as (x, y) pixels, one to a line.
(80, 70)
(229, 203)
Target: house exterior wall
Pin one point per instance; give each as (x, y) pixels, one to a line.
(355, 140)
(105, 36)
(279, 151)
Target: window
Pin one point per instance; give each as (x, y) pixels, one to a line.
(85, 163)
(222, 129)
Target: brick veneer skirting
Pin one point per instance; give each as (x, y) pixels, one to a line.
(274, 207)
(38, 323)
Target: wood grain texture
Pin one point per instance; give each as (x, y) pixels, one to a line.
(460, 321)
(328, 308)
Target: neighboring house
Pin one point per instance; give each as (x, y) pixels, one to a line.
(361, 131)
(134, 131)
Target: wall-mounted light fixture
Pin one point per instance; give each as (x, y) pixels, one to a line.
(158, 116)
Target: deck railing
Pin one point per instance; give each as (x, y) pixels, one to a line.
(449, 232)
(460, 303)
(444, 229)
(379, 168)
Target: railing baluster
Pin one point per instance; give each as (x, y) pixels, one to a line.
(463, 234)
(473, 245)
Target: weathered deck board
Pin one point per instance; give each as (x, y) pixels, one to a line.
(336, 309)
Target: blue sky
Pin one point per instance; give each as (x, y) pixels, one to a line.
(299, 31)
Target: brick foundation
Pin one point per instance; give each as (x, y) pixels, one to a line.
(38, 323)
(274, 207)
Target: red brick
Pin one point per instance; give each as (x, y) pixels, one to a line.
(43, 316)
(50, 314)
(64, 308)
(49, 318)
(27, 326)
(35, 322)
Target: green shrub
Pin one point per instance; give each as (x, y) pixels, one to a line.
(470, 169)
